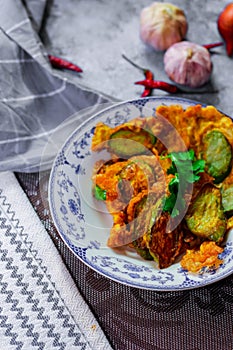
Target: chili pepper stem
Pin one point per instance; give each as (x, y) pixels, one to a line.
(147, 73)
(144, 70)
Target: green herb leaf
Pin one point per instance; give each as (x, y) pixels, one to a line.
(185, 169)
(199, 165)
(169, 202)
(99, 193)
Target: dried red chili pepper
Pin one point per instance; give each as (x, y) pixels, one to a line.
(58, 62)
(147, 90)
(211, 46)
(161, 85)
(171, 88)
(147, 73)
(149, 83)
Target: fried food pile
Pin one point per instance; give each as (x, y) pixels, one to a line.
(168, 184)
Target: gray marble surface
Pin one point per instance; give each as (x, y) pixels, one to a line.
(95, 33)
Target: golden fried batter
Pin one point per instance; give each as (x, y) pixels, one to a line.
(138, 186)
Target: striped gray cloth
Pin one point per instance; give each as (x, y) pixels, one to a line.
(35, 102)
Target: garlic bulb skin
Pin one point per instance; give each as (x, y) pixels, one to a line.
(188, 64)
(162, 24)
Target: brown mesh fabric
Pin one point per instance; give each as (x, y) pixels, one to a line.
(135, 319)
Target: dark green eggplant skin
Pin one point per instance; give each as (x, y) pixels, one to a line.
(218, 155)
(205, 217)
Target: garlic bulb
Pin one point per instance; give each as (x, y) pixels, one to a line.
(188, 64)
(162, 24)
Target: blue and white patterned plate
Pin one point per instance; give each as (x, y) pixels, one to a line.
(84, 224)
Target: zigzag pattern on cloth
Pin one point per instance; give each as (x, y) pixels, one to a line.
(37, 314)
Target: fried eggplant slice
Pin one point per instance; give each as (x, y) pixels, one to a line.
(136, 176)
(227, 199)
(129, 141)
(164, 245)
(145, 212)
(205, 217)
(218, 155)
(106, 178)
(102, 133)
